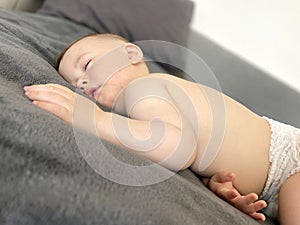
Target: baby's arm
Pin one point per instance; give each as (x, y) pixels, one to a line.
(222, 185)
(159, 135)
(177, 141)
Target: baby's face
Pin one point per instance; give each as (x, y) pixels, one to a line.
(81, 56)
(102, 68)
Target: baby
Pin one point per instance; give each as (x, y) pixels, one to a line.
(174, 122)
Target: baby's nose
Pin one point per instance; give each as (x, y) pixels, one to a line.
(82, 84)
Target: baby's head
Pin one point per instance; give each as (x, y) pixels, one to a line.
(87, 39)
(80, 55)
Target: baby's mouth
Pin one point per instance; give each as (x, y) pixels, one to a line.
(93, 92)
(96, 93)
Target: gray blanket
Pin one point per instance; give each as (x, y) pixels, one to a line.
(44, 178)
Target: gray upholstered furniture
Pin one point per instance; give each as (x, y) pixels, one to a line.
(44, 179)
(22, 5)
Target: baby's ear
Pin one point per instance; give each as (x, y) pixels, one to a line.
(135, 54)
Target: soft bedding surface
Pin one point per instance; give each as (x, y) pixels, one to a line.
(44, 179)
(135, 20)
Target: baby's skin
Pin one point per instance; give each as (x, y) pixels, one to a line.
(183, 114)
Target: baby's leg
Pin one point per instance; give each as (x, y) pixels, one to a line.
(289, 201)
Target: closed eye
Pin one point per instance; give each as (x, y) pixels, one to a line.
(87, 64)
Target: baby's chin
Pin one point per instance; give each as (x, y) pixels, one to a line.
(106, 101)
(109, 95)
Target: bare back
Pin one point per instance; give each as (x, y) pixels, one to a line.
(244, 143)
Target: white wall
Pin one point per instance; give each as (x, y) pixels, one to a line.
(264, 32)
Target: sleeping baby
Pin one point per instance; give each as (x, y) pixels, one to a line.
(180, 124)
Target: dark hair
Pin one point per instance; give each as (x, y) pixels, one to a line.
(104, 35)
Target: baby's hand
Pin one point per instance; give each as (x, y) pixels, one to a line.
(222, 185)
(54, 98)
(63, 102)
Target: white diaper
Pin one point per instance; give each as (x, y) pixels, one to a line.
(284, 157)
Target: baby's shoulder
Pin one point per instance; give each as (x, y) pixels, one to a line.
(154, 85)
(146, 85)
(146, 90)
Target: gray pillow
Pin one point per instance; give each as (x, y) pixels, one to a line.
(136, 20)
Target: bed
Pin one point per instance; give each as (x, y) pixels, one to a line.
(44, 178)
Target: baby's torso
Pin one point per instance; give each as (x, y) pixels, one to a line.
(230, 137)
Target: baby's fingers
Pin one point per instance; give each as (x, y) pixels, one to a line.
(250, 198)
(46, 95)
(248, 204)
(258, 216)
(231, 194)
(51, 89)
(228, 195)
(223, 177)
(256, 205)
(59, 111)
(259, 205)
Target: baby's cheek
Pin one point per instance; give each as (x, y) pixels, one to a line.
(108, 95)
(105, 100)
